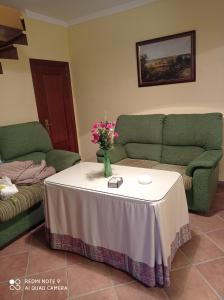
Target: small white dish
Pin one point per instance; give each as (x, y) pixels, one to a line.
(144, 179)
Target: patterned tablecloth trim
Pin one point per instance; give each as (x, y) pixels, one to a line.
(158, 275)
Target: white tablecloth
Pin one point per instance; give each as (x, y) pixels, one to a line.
(136, 228)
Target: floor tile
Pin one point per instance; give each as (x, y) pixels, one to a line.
(13, 266)
(200, 248)
(136, 291)
(7, 294)
(108, 294)
(214, 273)
(221, 213)
(85, 278)
(18, 246)
(41, 260)
(38, 239)
(119, 277)
(180, 260)
(47, 285)
(187, 284)
(40, 252)
(218, 203)
(73, 258)
(204, 224)
(218, 237)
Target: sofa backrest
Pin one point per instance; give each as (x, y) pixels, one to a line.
(185, 136)
(141, 135)
(22, 139)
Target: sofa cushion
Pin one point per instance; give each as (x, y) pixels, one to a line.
(138, 163)
(145, 129)
(20, 139)
(180, 155)
(37, 157)
(179, 169)
(144, 151)
(202, 130)
(21, 201)
(61, 159)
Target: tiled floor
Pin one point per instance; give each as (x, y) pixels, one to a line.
(197, 269)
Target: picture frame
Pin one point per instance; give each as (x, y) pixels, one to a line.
(167, 60)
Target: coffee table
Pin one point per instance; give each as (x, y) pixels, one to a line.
(136, 228)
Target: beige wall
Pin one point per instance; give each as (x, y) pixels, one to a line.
(17, 100)
(104, 63)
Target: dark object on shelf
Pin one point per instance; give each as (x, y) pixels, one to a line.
(115, 182)
(8, 52)
(9, 37)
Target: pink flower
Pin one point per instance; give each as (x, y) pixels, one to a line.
(96, 136)
(103, 134)
(94, 141)
(116, 134)
(95, 125)
(109, 126)
(102, 125)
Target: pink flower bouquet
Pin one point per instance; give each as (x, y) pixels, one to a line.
(103, 134)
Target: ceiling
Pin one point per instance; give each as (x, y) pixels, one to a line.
(73, 11)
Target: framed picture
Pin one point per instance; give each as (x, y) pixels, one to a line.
(165, 60)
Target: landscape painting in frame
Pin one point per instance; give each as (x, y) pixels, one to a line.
(166, 60)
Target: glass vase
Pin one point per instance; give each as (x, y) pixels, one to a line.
(106, 163)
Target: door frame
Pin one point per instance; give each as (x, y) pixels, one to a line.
(69, 105)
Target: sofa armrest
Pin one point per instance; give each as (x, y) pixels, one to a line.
(208, 159)
(116, 154)
(61, 159)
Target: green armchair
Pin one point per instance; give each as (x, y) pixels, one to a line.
(27, 141)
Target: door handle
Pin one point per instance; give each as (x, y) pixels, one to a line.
(47, 125)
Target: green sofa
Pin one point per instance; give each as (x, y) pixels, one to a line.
(190, 144)
(24, 210)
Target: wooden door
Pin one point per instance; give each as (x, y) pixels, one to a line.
(52, 87)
